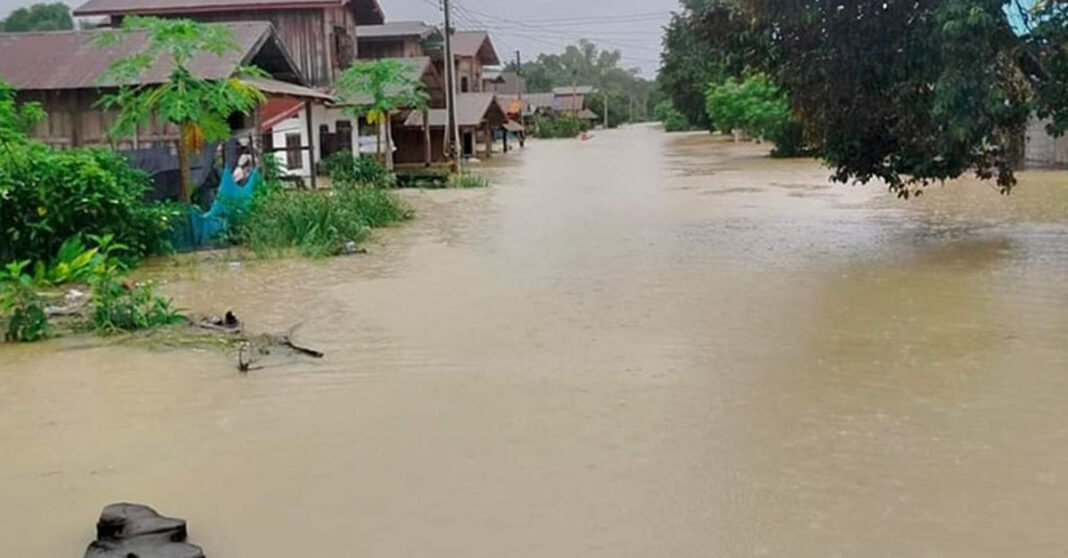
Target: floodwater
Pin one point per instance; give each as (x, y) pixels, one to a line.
(641, 345)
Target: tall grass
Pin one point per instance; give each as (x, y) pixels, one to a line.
(316, 224)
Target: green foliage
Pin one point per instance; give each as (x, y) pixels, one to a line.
(757, 107)
(374, 89)
(555, 127)
(317, 224)
(16, 119)
(468, 180)
(184, 99)
(674, 121)
(706, 42)
(429, 179)
(915, 92)
(48, 195)
(39, 17)
(119, 307)
(345, 169)
(27, 320)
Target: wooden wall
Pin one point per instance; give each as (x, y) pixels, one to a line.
(308, 36)
(74, 120)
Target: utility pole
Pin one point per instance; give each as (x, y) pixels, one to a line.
(452, 128)
(606, 108)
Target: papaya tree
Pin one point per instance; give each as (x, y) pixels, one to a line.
(377, 89)
(199, 107)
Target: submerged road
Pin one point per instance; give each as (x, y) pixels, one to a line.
(642, 345)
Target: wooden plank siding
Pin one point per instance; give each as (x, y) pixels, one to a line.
(75, 120)
(307, 34)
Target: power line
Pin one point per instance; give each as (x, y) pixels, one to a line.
(541, 29)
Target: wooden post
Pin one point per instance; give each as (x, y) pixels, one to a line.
(506, 140)
(488, 130)
(428, 146)
(311, 143)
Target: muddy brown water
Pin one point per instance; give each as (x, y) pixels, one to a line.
(641, 345)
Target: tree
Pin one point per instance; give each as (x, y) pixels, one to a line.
(377, 89)
(199, 107)
(759, 108)
(917, 91)
(708, 41)
(16, 119)
(39, 17)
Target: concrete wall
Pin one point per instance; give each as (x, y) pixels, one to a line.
(1043, 150)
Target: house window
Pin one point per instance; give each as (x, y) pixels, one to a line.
(294, 157)
(344, 48)
(464, 85)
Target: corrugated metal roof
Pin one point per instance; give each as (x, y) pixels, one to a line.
(368, 10)
(275, 87)
(475, 44)
(540, 100)
(471, 110)
(568, 103)
(396, 29)
(69, 60)
(578, 90)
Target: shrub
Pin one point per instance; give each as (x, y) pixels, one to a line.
(317, 224)
(759, 108)
(554, 127)
(27, 320)
(429, 179)
(673, 120)
(468, 180)
(345, 169)
(48, 195)
(119, 307)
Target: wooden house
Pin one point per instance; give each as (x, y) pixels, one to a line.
(401, 39)
(320, 35)
(63, 71)
(421, 138)
(473, 52)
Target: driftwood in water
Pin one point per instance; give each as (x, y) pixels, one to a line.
(137, 531)
(253, 349)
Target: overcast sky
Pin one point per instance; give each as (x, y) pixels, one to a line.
(536, 26)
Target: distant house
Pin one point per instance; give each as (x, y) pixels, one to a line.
(63, 69)
(503, 83)
(319, 34)
(401, 39)
(473, 50)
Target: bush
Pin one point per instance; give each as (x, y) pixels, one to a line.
(759, 108)
(119, 307)
(344, 169)
(316, 224)
(673, 120)
(27, 320)
(48, 196)
(468, 180)
(429, 179)
(555, 127)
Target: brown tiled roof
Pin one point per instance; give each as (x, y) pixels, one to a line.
(471, 110)
(367, 11)
(474, 44)
(69, 60)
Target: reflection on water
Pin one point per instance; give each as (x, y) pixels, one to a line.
(641, 345)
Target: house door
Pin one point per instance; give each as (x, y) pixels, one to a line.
(469, 144)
